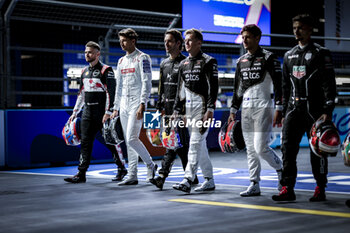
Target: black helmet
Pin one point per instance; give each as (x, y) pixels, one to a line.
(231, 137)
(112, 131)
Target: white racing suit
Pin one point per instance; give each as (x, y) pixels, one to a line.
(198, 87)
(255, 75)
(134, 83)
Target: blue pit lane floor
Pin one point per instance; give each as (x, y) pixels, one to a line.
(337, 182)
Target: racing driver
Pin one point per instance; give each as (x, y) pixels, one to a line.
(197, 91)
(97, 90)
(256, 72)
(134, 83)
(309, 92)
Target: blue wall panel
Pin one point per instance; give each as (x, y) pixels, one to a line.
(33, 137)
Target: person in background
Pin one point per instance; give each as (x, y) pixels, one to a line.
(168, 79)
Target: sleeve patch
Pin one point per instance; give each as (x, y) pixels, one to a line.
(146, 66)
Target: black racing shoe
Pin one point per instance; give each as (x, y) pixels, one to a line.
(158, 182)
(120, 175)
(196, 181)
(286, 194)
(80, 177)
(319, 195)
(347, 203)
(184, 186)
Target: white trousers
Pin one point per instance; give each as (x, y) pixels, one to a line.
(257, 129)
(198, 155)
(131, 129)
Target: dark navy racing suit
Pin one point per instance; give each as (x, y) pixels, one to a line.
(168, 80)
(309, 90)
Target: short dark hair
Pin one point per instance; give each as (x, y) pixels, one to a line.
(94, 45)
(252, 28)
(304, 19)
(195, 32)
(177, 36)
(128, 33)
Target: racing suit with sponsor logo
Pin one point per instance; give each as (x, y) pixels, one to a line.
(257, 77)
(97, 88)
(197, 90)
(134, 83)
(168, 80)
(309, 90)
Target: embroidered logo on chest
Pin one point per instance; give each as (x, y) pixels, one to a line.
(299, 71)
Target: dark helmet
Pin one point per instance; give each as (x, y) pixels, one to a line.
(324, 138)
(112, 131)
(231, 137)
(71, 132)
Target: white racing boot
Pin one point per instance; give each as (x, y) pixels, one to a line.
(208, 185)
(184, 186)
(252, 190)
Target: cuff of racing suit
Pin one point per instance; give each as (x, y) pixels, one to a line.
(233, 110)
(210, 109)
(279, 107)
(108, 112)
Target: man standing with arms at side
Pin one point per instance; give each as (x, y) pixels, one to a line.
(134, 83)
(97, 88)
(168, 80)
(309, 91)
(197, 91)
(256, 72)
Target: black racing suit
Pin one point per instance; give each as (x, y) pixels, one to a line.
(168, 80)
(309, 90)
(97, 89)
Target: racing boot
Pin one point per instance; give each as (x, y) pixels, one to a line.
(120, 175)
(151, 171)
(319, 195)
(129, 181)
(208, 185)
(184, 186)
(286, 194)
(80, 177)
(252, 190)
(196, 181)
(158, 182)
(279, 175)
(347, 203)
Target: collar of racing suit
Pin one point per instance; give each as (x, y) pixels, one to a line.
(199, 55)
(132, 54)
(98, 64)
